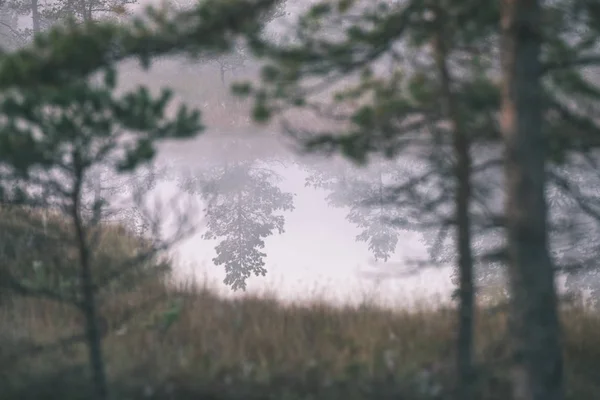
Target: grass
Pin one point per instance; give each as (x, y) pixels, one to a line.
(193, 344)
(185, 341)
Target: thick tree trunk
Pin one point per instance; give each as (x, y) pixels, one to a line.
(535, 329)
(462, 174)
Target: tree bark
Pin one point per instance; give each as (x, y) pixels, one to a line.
(88, 303)
(534, 324)
(86, 10)
(462, 175)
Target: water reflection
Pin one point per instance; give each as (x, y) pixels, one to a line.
(315, 254)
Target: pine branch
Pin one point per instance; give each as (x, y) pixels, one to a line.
(581, 62)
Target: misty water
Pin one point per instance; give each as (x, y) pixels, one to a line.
(317, 256)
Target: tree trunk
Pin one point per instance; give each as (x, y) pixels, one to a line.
(462, 174)
(88, 304)
(86, 10)
(534, 327)
(35, 16)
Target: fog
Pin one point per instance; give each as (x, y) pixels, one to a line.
(317, 254)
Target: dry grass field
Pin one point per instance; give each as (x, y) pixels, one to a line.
(185, 342)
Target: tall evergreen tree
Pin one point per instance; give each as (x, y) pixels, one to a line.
(58, 127)
(52, 139)
(395, 121)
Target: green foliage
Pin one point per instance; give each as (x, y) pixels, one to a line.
(58, 122)
(74, 51)
(83, 125)
(52, 140)
(53, 136)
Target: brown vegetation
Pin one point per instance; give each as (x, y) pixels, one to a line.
(188, 343)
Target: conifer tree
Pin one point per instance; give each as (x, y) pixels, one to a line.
(59, 126)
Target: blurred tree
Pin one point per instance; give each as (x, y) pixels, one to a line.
(11, 37)
(378, 31)
(401, 112)
(244, 210)
(106, 43)
(570, 76)
(51, 141)
(239, 54)
(575, 224)
(365, 192)
(48, 13)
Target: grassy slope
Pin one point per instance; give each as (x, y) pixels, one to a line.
(257, 348)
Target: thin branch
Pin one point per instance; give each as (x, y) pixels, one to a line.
(576, 194)
(14, 32)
